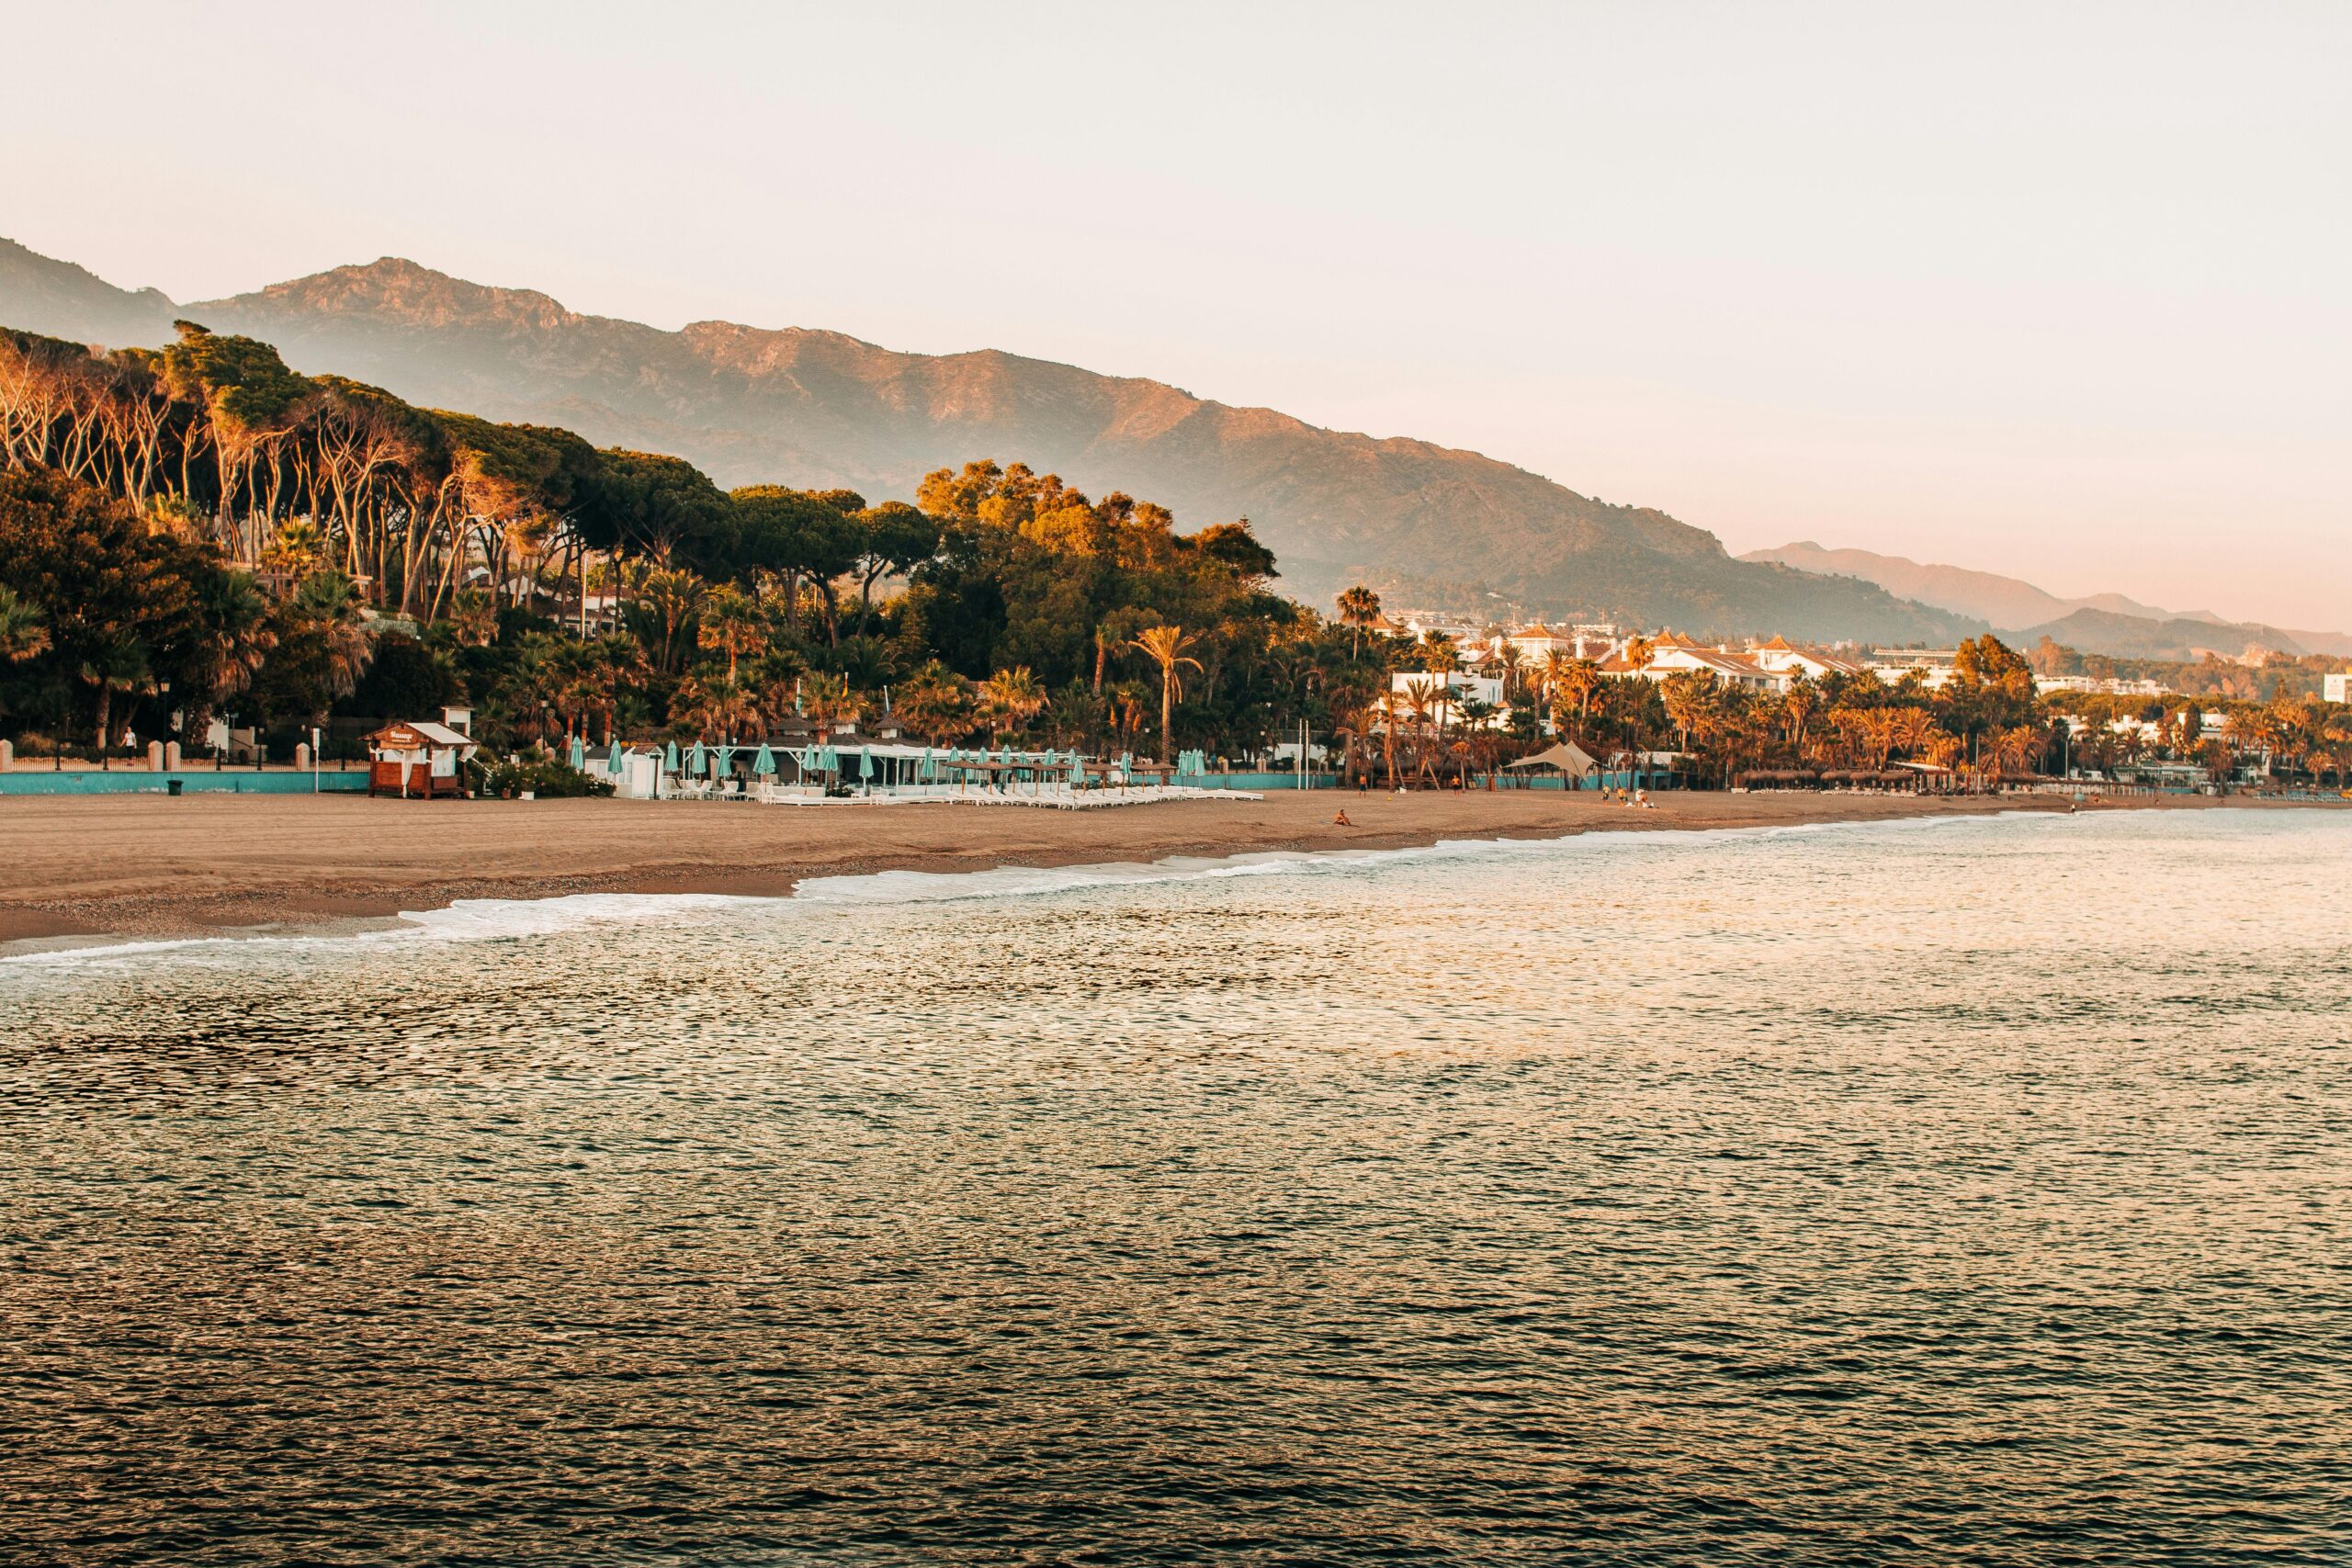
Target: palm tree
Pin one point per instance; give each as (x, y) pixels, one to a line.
(1910, 730)
(1477, 739)
(1798, 705)
(828, 703)
(675, 596)
(1165, 647)
(2015, 749)
(293, 552)
(580, 685)
(1351, 723)
(24, 630)
(1574, 683)
(620, 665)
(1550, 675)
(1359, 608)
(1130, 706)
(1417, 707)
(1012, 698)
(117, 665)
(473, 616)
(1690, 700)
(733, 624)
(936, 703)
(713, 708)
(237, 636)
(1388, 733)
(530, 537)
(328, 606)
(1639, 651)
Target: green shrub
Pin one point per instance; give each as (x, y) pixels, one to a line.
(548, 778)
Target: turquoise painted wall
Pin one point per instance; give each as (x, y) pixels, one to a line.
(27, 780)
(1261, 782)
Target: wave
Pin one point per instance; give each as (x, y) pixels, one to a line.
(1022, 881)
(506, 919)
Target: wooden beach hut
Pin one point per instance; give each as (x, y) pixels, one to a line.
(417, 760)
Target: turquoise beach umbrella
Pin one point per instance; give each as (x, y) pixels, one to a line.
(670, 759)
(764, 764)
(722, 760)
(696, 758)
(1077, 769)
(864, 763)
(927, 774)
(579, 756)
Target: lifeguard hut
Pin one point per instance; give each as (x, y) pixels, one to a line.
(417, 758)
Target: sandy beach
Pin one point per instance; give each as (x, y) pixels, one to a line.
(151, 865)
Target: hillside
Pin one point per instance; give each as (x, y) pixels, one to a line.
(2136, 636)
(814, 408)
(40, 295)
(2099, 622)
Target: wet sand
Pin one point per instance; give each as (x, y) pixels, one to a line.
(153, 865)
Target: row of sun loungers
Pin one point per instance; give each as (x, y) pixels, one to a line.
(1050, 796)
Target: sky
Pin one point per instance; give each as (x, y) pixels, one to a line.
(2055, 290)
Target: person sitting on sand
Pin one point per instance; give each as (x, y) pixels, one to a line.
(1342, 819)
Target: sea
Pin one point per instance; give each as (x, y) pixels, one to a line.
(1957, 1190)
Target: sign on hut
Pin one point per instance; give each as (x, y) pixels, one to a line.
(418, 759)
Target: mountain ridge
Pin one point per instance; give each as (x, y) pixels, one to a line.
(2111, 623)
(819, 409)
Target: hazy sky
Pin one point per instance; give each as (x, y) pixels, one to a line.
(2056, 291)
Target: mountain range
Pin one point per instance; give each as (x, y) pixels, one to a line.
(2100, 623)
(817, 409)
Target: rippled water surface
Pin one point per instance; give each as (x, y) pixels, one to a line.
(1970, 1192)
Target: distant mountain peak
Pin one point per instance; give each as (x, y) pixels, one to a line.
(397, 289)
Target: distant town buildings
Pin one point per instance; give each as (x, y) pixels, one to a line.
(1461, 685)
(1932, 665)
(2337, 688)
(1671, 655)
(2104, 687)
(1769, 666)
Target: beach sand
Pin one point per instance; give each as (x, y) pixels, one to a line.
(153, 866)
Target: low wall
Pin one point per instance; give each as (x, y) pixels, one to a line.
(193, 781)
(1254, 783)
(1260, 782)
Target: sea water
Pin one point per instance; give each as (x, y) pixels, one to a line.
(1973, 1190)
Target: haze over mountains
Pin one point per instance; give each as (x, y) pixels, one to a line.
(819, 408)
(2101, 623)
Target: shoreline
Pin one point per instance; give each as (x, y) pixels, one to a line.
(220, 864)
